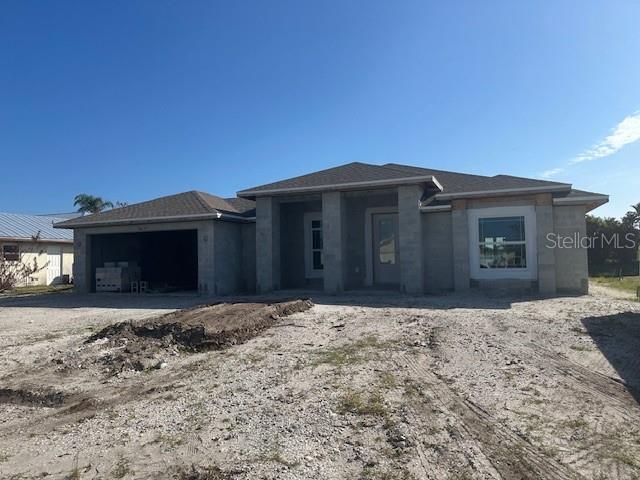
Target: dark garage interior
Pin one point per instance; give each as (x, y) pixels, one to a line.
(168, 260)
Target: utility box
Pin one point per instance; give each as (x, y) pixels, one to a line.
(116, 279)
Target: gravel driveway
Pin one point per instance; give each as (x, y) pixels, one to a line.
(359, 386)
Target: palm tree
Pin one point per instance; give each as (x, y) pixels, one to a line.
(89, 204)
(635, 214)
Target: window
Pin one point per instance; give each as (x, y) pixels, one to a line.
(11, 253)
(502, 242)
(313, 245)
(316, 244)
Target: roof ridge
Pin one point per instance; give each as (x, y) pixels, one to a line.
(202, 197)
(392, 165)
(527, 178)
(202, 200)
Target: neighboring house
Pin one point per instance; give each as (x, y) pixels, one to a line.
(355, 226)
(31, 239)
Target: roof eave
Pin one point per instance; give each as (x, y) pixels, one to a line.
(39, 240)
(591, 202)
(252, 194)
(504, 192)
(133, 221)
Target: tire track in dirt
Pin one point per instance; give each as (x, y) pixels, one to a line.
(509, 454)
(614, 393)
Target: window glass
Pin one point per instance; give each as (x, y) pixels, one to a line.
(500, 255)
(387, 241)
(316, 244)
(11, 252)
(498, 230)
(317, 260)
(317, 239)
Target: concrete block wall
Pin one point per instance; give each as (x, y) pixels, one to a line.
(81, 261)
(267, 244)
(228, 258)
(332, 231)
(572, 271)
(438, 251)
(460, 238)
(546, 255)
(410, 241)
(206, 258)
(248, 257)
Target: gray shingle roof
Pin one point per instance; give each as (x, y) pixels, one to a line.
(452, 182)
(187, 204)
(344, 174)
(18, 226)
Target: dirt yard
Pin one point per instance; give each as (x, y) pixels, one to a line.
(356, 387)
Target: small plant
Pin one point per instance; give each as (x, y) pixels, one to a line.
(387, 380)
(121, 468)
(349, 354)
(13, 271)
(354, 402)
(575, 423)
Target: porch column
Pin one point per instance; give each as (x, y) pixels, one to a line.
(81, 261)
(460, 234)
(332, 218)
(267, 244)
(411, 244)
(546, 254)
(206, 259)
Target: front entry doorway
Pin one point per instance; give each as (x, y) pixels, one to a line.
(386, 266)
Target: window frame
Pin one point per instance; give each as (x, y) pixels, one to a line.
(530, 272)
(309, 218)
(17, 253)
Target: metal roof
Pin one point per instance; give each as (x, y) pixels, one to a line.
(19, 226)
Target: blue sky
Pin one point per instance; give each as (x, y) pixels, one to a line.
(133, 100)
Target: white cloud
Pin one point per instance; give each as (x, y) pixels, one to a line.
(551, 172)
(626, 132)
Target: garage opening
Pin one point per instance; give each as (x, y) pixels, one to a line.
(166, 261)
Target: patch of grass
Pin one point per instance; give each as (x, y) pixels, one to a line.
(627, 284)
(575, 423)
(355, 402)
(121, 468)
(40, 289)
(387, 380)
(172, 441)
(349, 354)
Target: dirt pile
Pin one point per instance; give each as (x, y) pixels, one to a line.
(145, 344)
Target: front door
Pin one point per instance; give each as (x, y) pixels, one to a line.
(386, 267)
(54, 265)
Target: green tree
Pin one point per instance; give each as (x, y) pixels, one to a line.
(91, 204)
